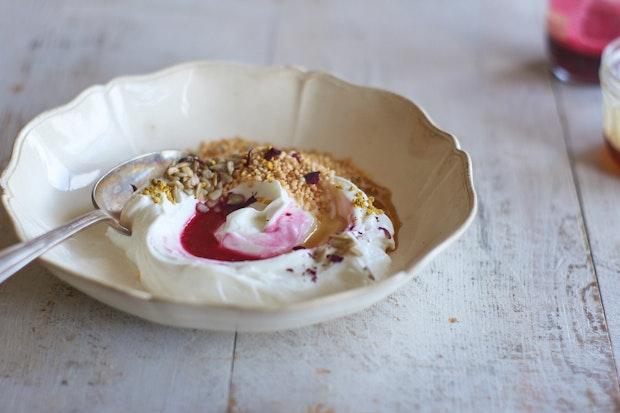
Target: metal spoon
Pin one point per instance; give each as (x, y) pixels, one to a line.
(109, 196)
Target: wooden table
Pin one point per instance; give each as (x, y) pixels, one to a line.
(521, 314)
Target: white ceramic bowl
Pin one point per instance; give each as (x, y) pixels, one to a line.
(60, 154)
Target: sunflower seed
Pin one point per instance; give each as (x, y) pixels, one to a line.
(215, 194)
(226, 179)
(207, 173)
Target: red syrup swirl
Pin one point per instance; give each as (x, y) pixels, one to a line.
(198, 236)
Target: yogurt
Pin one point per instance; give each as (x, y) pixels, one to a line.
(254, 257)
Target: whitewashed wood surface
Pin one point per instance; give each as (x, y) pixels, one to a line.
(513, 317)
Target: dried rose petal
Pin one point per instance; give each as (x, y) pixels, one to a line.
(386, 232)
(186, 158)
(312, 178)
(312, 273)
(250, 201)
(248, 157)
(296, 156)
(335, 257)
(289, 269)
(352, 226)
(299, 247)
(272, 153)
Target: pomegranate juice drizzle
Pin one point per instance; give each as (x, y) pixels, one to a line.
(198, 236)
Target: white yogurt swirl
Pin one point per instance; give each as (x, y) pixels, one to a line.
(168, 270)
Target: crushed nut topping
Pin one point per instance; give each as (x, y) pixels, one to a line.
(218, 166)
(366, 204)
(158, 189)
(202, 178)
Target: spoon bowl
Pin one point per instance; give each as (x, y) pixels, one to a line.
(113, 190)
(109, 196)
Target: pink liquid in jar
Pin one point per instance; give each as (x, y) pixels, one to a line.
(577, 33)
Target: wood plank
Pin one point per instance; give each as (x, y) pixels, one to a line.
(510, 317)
(62, 351)
(598, 178)
(530, 333)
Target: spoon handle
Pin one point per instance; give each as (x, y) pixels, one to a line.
(15, 257)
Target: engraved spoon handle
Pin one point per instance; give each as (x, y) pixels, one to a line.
(15, 257)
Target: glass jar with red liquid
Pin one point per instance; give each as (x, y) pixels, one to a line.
(577, 33)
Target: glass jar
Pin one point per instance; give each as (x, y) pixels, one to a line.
(610, 86)
(577, 33)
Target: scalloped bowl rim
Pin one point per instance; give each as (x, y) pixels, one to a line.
(390, 283)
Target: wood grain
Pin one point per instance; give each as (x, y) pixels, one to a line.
(62, 351)
(598, 179)
(530, 332)
(510, 318)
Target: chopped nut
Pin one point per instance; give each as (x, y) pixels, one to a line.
(235, 199)
(319, 254)
(309, 177)
(215, 194)
(207, 173)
